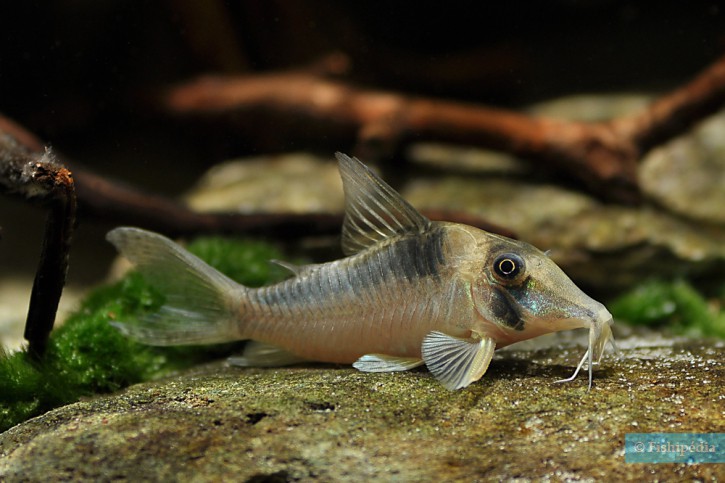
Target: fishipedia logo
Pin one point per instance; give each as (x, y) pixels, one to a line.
(692, 448)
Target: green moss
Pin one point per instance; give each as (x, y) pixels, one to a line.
(248, 264)
(675, 304)
(87, 355)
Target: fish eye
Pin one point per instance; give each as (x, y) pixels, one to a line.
(508, 266)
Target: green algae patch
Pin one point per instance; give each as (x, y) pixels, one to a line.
(673, 304)
(87, 355)
(246, 262)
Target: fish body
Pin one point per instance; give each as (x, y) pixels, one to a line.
(410, 292)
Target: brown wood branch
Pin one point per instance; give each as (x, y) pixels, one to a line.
(385, 119)
(676, 112)
(20, 134)
(117, 202)
(602, 155)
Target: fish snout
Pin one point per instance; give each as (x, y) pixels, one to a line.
(601, 315)
(600, 332)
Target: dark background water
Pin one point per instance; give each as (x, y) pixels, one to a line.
(84, 75)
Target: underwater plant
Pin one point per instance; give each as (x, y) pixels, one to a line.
(86, 355)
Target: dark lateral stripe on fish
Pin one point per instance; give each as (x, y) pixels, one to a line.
(505, 309)
(303, 294)
(411, 258)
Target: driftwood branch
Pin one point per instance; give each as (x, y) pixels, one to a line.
(602, 155)
(39, 178)
(116, 202)
(113, 201)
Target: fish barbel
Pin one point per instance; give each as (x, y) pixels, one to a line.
(409, 292)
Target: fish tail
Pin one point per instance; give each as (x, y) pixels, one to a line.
(200, 302)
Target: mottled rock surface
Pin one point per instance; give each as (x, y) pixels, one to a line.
(326, 423)
(298, 183)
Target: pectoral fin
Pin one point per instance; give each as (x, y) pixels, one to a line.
(385, 363)
(457, 362)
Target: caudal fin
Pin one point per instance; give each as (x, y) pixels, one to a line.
(200, 301)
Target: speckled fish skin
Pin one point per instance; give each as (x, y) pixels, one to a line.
(410, 292)
(382, 300)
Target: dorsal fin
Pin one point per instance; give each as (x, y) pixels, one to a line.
(296, 270)
(373, 210)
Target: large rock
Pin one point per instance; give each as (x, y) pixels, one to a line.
(325, 423)
(297, 183)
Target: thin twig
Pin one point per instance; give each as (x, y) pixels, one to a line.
(39, 178)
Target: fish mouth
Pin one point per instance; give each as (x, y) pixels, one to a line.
(600, 332)
(604, 316)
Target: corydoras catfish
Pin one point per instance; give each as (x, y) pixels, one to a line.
(409, 292)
